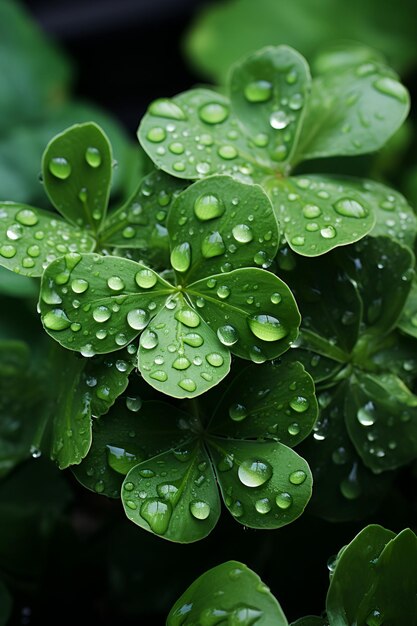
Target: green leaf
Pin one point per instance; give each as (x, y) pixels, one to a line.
(268, 95)
(329, 304)
(263, 484)
(230, 592)
(397, 354)
(344, 489)
(394, 217)
(340, 55)
(141, 222)
(382, 270)
(179, 354)
(174, 494)
(31, 238)
(320, 213)
(310, 620)
(352, 111)
(319, 367)
(198, 123)
(408, 320)
(374, 580)
(380, 413)
(5, 604)
(16, 286)
(131, 432)
(77, 169)
(270, 401)
(110, 299)
(64, 429)
(252, 311)
(219, 224)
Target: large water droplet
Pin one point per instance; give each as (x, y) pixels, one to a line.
(267, 327)
(149, 340)
(167, 109)
(328, 232)
(213, 113)
(8, 252)
(193, 339)
(375, 618)
(188, 384)
(311, 211)
(27, 217)
(350, 208)
(263, 506)
(199, 509)
(59, 167)
(366, 414)
(157, 513)
(227, 334)
(137, 319)
(93, 157)
(227, 152)
(391, 87)
(156, 134)
(134, 403)
(188, 317)
(115, 283)
(56, 320)
(212, 245)
(120, 460)
(242, 233)
(101, 314)
(258, 91)
(79, 285)
(297, 477)
(254, 472)
(181, 257)
(283, 500)
(215, 359)
(208, 206)
(238, 412)
(181, 363)
(299, 404)
(14, 232)
(146, 279)
(279, 120)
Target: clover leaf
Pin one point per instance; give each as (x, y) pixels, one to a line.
(95, 304)
(172, 460)
(350, 307)
(230, 592)
(271, 122)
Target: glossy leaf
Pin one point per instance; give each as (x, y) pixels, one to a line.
(319, 367)
(329, 304)
(344, 489)
(374, 580)
(110, 299)
(174, 494)
(270, 401)
(408, 320)
(131, 432)
(179, 354)
(264, 485)
(230, 592)
(320, 213)
(383, 271)
(141, 222)
(77, 167)
(64, 429)
(381, 413)
(214, 142)
(219, 224)
(31, 238)
(352, 111)
(252, 311)
(269, 90)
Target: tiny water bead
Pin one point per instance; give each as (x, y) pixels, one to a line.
(56, 319)
(156, 134)
(299, 404)
(238, 412)
(93, 157)
(157, 513)
(138, 319)
(59, 167)
(227, 334)
(263, 506)
(350, 208)
(283, 500)
(146, 279)
(181, 257)
(258, 91)
(254, 472)
(212, 245)
(297, 477)
(213, 113)
(267, 327)
(199, 509)
(242, 233)
(27, 217)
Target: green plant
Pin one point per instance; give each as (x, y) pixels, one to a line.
(198, 321)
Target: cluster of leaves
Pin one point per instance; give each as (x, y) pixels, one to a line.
(372, 582)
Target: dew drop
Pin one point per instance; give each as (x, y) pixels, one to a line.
(328, 232)
(188, 317)
(391, 87)
(146, 279)
(311, 211)
(350, 208)
(238, 412)
(27, 217)
(149, 340)
(115, 283)
(93, 157)
(267, 327)
(137, 319)
(279, 120)
(242, 233)
(156, 134)
(366, 414)
(227, 334)
(199, 509)
(258, 91)
(254, 472)
(8, 251)
(215, 359)
(276, 298)
(212, 245)
(187, 384)
(157, 513)
(283, 500)
(56, 320)
(167, 109)
(213, 113)
(299, 404)
(223, 292)
(79, 285)
(207, 207)
(193, 339)
(101, 314)
(297, 477)
(59, 167)
(159, 375)
(181, 363)
(181, 257)
(263, 506)
(14, 232)
(227, 152)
